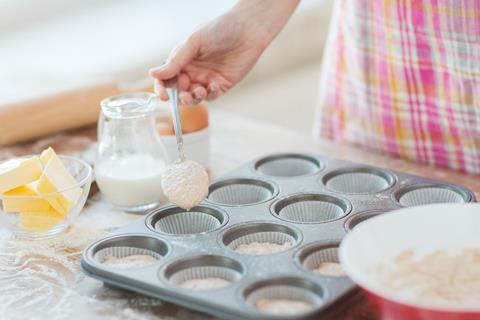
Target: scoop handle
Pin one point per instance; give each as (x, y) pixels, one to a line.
(171, 86)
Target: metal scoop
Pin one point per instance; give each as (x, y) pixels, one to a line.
(172, 90)
(185, 183)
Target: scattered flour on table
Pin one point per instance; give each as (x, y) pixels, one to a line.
(65, 247)
(39, 276)
(333, 269)
(205, 284)
(262, 248)
(282, 306)
(441, 276)
(132, 261)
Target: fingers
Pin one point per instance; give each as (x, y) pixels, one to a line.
(213, 91)
(183, 82)
(194, 95)
(160, 90)
(198, 92)
(189, 94)
(179, 57)
(186, 98)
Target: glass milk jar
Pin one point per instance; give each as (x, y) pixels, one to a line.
(130, 155)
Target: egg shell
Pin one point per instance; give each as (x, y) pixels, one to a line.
(193, 118)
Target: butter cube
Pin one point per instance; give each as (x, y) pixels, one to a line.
(46, 155)
(24, 204)
(40, 220)
(57, 178)
(16, 172)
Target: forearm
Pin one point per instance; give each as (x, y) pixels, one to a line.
(270, 16)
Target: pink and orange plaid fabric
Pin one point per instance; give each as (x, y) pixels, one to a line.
(403, 77)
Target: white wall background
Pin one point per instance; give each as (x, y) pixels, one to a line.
(53, 45)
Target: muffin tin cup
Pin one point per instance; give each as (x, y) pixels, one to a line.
(311, 257)
(241, 192)
(284, 288)
(359, 180)
(288, 165)
(126, 245)
(201, 268)
(261, 202)
(260, 232)
(430, 193)
(179, 222)
(310, 208)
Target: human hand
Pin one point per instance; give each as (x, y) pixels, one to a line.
(220, 54)
(213, 59)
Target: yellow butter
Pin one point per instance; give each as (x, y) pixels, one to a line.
(18, 172)
(24, 204)
(57, 178)
(40, 220)
(46, 155)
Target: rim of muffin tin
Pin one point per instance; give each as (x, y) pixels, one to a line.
(363, 216)
(389, 176)
(235, 231)
(319, 162)
(466, 194)
(267, 184)
(182, 263)
(308, 249)
(109, 242)
(291, 197)
(214, 211)
(288, 280)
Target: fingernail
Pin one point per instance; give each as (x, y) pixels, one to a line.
(196, 95)
(212, 95)
(183, 100)
(213, 91)
(157, 69)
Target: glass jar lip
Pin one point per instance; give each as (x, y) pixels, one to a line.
(128, 105)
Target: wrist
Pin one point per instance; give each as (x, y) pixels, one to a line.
(264, 18)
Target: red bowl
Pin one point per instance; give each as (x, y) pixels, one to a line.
(425, 229)
(392, 310)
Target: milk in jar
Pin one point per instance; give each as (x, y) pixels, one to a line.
(131, 180)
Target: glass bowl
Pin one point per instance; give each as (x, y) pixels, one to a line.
(37, 225)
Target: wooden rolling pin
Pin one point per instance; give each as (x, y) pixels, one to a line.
(27, 120)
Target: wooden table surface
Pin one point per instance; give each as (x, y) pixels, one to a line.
(40, 280)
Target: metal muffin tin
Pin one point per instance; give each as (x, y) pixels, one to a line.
(307, 200)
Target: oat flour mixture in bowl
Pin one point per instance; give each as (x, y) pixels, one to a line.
(419, 263)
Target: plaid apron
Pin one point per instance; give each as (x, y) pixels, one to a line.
(403, 77)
